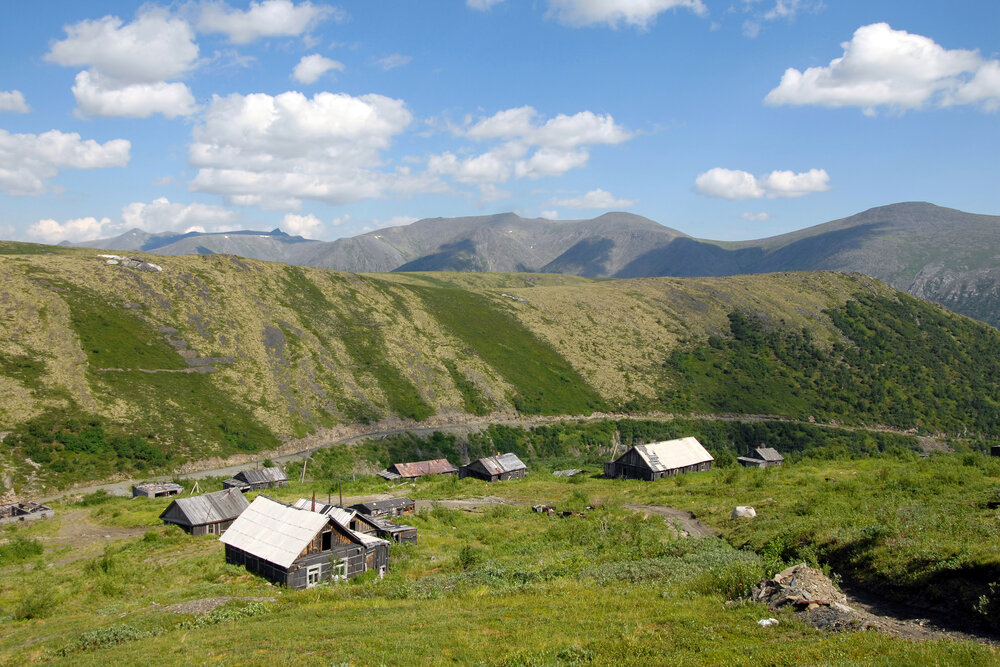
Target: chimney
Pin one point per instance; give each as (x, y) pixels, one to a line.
(314, 502)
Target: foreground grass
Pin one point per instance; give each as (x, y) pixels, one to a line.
(498, 585)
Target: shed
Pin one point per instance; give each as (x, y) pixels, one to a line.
(260, 478)
(298, 547)
(29, 511)
(156, 489)
(388, 507)
(207, 514)
(495, 468)
(761, 457)
(660, 459)
(365, 523)
(417, 469)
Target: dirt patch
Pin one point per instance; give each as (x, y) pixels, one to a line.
(205, 605)
(688, 526)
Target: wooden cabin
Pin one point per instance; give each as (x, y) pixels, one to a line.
(207, 514)
(300, 548)
(157, 490)
(389, 507)
(497, 468)
(262, 478)
(761, 457)
(417, 469)
(363, 523)
(660, 459)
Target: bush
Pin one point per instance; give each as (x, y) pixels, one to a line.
(18, 549)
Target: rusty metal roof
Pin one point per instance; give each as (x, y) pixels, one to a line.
(672, 454)
(421, 468)
(209, 507)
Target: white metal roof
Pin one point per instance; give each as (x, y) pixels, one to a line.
(672, 454)
(274, 531)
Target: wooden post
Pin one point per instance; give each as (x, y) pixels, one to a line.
(302, 477)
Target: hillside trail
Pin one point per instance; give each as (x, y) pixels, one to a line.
(302, 448)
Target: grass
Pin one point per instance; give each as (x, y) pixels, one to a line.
(610, 588)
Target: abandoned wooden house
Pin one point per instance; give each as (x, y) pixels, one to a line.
(300, 548)
(156, 489)
(364, 523)
(761, 457)
(418, 469)
(261, 478)
(29, 511)
(660, 459)
(207, 514)
(388, 507)
(495, 468)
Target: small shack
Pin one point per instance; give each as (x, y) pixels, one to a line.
(417, 469)
(497, 468)
(388, 507)
(660, 459)
(261, 478)
(761, 457)
(156, 489)
(207, 514)
(29, 511)
(364, 523)
(300, 548)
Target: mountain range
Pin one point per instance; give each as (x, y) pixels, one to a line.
(940, 254)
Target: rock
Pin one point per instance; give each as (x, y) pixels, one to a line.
(743, 512)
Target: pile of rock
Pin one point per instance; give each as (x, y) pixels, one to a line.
(808, 590)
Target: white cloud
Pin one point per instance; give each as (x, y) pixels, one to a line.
(312, 67)
(264, 150)
(594, 199)
(337, 222)
(882, 67)
(163, 215)
(28, 160)
(559, 144)
(393, 61)
(13, 100)
(782, 9)
(734, 184)
(98, 96)
(270, 18)
(755, 217)
(549, 215)
(636, 13)
(79, 229)
(129, 64)
(482, 5)
(308, 225)
(491, 193)
(394, 221)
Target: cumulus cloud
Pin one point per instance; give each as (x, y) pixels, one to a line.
(528, 148)
(13, 100)
(394, 221)
(129, 65)
(393, 61)
(78, 229)
(163, 215)
(308, 226)
(274, 151)
(549, 215)
(598, 198)
(270, 18)
(636, 13)
(312, 67)
(882, 67)
(734, 184)
(27, 161)
(755, 217)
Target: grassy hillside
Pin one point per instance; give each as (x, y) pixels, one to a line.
(107, 370)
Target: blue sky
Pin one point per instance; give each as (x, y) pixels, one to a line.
(728, 120)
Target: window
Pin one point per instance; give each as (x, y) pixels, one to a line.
(313, 575)
(338, 569)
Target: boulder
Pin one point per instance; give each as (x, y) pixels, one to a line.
(743, 512)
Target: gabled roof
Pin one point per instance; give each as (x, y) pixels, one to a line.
(274, 531)
(768, 454)
(207, 508)
(342, 517)
(503, 463)
(421, 468)
(386, 505)
(671, 454)
(262, 476)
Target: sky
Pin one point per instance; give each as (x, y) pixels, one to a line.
(724, 119)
